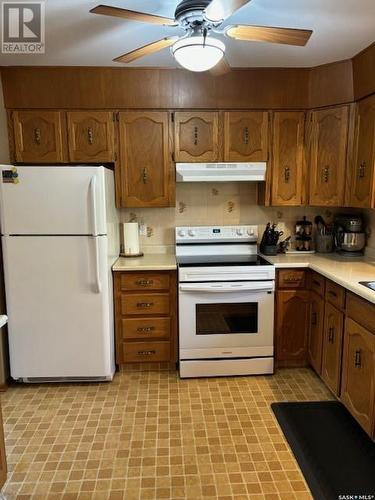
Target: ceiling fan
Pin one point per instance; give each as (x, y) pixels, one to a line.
(198, 49)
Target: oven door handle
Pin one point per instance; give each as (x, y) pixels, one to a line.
(215, 288)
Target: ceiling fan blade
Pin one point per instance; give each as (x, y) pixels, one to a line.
(132, 15)
(219, 10)
(288, 36)
(146, 50)
(221, 68)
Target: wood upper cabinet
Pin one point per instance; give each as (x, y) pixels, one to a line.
(144, 175)
(362, 193)
(292, 322)
(332, 347)
(245, 136)
(38, 136)
(315, 343)
(197, 137)
(328, 156)
(91, 136)
(288, 176)
(358, 374)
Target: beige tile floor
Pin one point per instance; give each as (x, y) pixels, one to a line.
(150, 435)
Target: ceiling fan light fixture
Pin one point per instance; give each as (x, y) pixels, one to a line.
(198, 53)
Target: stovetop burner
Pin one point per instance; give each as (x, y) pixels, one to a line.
(221, 260)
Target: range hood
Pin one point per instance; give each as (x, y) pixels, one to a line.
(220, 172)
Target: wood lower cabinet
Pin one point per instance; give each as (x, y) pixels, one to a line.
(328, 156)
(144, 174)
(146, 316)
(39, 136)
(315, 344)
(332, 347)
(358, 374)
(292, 323)
(91, 136)
(196, 136)
(362, 186)
(287, 159)
(245, 136)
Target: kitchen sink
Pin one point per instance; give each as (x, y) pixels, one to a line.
(368, 284)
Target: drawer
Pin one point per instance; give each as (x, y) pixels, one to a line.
(362, 311)
(144, 281)
(317, 283)
(144, 328)
(335, 294)
(147, 352)
(153, 303)
(291, 278)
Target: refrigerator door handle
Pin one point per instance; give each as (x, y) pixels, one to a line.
(93, 205)
(98, 283)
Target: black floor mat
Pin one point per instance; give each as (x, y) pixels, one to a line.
(335, 455)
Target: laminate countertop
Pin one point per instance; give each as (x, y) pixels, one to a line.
(149, 262)
(343, 271)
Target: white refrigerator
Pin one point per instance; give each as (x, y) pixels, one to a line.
(60, 238)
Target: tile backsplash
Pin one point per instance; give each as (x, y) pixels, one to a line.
(224, 203)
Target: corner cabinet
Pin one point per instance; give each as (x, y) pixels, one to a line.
(362, 193)
(39, 136)
(328, 156)
(287, 159)
(196, 137)
(144, 173)
(91, 136)
(246, 136)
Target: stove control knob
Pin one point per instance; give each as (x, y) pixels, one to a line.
(239, 232)
(250, 232)
(192, 233)
(182, 233)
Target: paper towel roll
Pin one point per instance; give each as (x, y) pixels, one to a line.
(131, 238)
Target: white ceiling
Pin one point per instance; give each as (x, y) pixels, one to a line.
(75, 37)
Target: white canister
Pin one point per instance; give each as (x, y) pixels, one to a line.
(131, 239)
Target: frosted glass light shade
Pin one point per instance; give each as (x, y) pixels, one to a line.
(198, 54)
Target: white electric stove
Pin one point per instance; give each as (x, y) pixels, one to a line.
(226, 302)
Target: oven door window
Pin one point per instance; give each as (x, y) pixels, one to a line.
(229, 318)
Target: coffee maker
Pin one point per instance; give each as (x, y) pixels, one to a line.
(350, 238)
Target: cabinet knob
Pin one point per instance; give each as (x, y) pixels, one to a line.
(37, 135)
(90, 136)
(287, 174)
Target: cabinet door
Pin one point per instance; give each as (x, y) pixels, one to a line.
(91, 136)
(328, 156)
(3, 460)
(245, 136)
(38, 136)
(145, 166)
(288, 175)
(292, 323)
(362, 179)
(332, 347)
(197, 137)
(358, 374)
(316, 332)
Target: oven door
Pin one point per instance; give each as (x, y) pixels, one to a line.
(226, 319)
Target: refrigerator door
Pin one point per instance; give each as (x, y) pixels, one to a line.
(54, 200)
(59, 304)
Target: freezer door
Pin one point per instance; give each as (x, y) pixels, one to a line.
(53, 200)
(59, 303)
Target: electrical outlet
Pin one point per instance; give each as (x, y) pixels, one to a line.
(143, 229)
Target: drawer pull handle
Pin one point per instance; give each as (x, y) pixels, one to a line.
(144, 176)
(287, 174)
(314, 318)
(90, 136)
(146, 329)
(144, 282)
(195, 136)
(316, 282)
(145, 304)
(326, 174)
(37, 136)
(246, 135)
(333, 294)
(292, 280)
(362, 170)
(146, 353)
(358, 358)
(331, 335)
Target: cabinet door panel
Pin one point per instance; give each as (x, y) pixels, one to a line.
(288, 159)
(332, 347)
(328, 156)
(91, 136)
(145, 166)
(197, 137)
(292, 323)
(38, 136)
(316, 332)
(358, 374)
(363, 167)
(245, 136)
